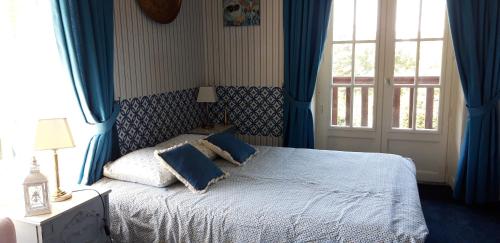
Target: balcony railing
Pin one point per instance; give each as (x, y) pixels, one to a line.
(397, 113)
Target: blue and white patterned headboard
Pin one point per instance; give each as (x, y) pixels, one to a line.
(148, 120)
(256, 111)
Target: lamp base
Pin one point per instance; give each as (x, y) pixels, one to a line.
(60, 196)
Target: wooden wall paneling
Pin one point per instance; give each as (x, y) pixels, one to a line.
(256, 54)
(243, 56)
(263, 51)
(205, 41)
(151, 58)
(138, 59)
(269, 43)
(251, 56)
(169, 57)
(117, 58)
(276, 45)
(127, 52)
(219, 66)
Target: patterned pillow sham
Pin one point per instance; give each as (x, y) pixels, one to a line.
(141, 167)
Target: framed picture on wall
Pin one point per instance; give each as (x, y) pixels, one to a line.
(241, 12)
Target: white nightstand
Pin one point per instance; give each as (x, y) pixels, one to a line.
(218, 128)
(80, 219)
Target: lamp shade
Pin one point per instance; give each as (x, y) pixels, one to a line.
(53, 134)
(207, 94)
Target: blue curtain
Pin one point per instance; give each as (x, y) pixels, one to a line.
(305, 29)
(475, 29)
(84, 31)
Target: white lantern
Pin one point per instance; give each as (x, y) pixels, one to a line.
(36, 195)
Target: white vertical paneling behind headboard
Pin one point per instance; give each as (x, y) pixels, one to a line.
(152, 58)
(243, 56)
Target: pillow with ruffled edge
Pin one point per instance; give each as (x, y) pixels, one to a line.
(193, 139)
(141, 167)
(191, 167)
(230, 148)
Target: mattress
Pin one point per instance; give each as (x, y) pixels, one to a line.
(282, 195)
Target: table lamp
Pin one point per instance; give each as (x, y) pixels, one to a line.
(207, 95)
(54, 134)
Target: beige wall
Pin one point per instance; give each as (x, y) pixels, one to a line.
(243, 56)
(153, 58)
(456, 123)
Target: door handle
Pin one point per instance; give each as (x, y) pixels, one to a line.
(388, 81)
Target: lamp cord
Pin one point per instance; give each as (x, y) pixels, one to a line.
(104, 218)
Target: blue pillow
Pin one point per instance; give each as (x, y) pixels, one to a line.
(230, 148)
(191, 167)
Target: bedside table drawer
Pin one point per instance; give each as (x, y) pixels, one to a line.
(80, 224)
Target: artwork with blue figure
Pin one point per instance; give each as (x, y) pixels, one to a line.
(241, 12)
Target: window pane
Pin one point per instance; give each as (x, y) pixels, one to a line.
(343, 17)
(363, 107)
(366, 19)
(401, 107)
(342, 63)
(407, 13)
(364, 64)
(27, 43)
(427, 108)
(341, 98)
(432, 23)
(431, 53)
(405, 60)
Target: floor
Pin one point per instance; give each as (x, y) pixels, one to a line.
(452, 221)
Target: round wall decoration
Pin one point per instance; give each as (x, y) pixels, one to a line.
(161, 11)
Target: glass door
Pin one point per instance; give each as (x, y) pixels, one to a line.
(415, 77)
(382, 85)
(354, 48)
(349, 80)
(418, 52)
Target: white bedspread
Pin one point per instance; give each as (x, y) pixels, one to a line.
(282, 195)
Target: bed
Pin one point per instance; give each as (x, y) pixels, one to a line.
(281, 195)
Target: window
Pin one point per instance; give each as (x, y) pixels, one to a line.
(386, 76)
(417, 64)
(354, 62)
(416, 49)
(33, 85)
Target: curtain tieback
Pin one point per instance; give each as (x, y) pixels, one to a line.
(105, 126)
(481, 110)
(297, 103)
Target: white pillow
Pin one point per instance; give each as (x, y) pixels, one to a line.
(142, 167)
(193, 139)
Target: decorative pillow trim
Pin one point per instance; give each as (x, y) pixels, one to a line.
(226, 155)
(141, 167)
(181, 178)
(192, 139)
(203, 149)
